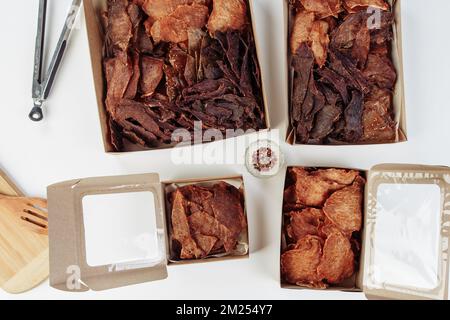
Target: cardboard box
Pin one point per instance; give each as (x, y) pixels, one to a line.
(93, 10)
(106, 245)
(405, 234)
(399, 103)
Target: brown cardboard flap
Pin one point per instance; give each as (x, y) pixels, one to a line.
(407, 230)
(69, 270)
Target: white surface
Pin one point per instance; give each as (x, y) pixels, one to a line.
(68, 144)
(406, 243)
(120, 228)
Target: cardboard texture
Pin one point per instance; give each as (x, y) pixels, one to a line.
(399, 101)
(398, 175)
(95, 33)
(69, 270)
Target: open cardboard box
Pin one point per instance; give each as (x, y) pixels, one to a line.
(93, 10)
(100, 238)
(405, 236)
(399, 103)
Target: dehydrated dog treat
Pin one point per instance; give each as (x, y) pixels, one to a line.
(322, 220)
(343, 75)
(169, 63)
(206, 220)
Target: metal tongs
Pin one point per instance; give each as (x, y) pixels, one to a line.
(42, 86)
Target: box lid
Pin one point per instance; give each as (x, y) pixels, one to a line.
(406, 236)
(89, 228)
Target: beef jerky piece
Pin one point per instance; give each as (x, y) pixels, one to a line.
(118, 73)
(380, 71)
(344, 207)
(134, 138)
(323, 8)
(190, 71)
(205, 243)
(340, 176)
(352, 5)
(228, 208)
(119, 25)
(181, 231)
(207, 89)
(319, 41)
(134, 81)
(205, 224)
(344, 36)
(245, 85)
(199, 195)
(302, 62)
(336, 81)
(325, 120)
(353, 130)
(152, 74)
(378, 122)
(222, 114)
(311, 189)
(115, 135)
(304, 223)
(354, 78)
(173, 83)
(144, 43)
(177, 58)
(230, 43)
(361, 47)
(338, 260)
(299, 266)
(227, 15)
(301, 30)
(158, 9)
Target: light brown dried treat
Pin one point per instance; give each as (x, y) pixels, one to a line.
(152, 74)
(341, 176)
(319, 41)
(199, 198)
(356, 5)
(301, 29)
(181, 230)
(323, 8)
(228, 209)
(119, 24)
(227, 15)
(134, 81)
(344, 207)
(310, 189)
(299, 266)
(169, 29)
(203, 223)
(377, 117)
(158, 9)
(206, 243)
(195, 15)
(304, 223)
(338, 260)
(118, 73)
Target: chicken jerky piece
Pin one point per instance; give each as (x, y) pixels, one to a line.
(228, 208)
(312, 190)
(203, 223)
(380, 71)
(152, 74)
(227, 15)
(344, 207)
(181, 229)
(119, 24)
(158, 9)
(299, 266)
(206, 243)
(355, 5)
(378, 122)
(323, 8)
(301, 30)
(341, 176)
(338, 260)
(319, 41)
(118, 73)
(304, 223)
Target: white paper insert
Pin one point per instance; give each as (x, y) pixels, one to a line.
(407, 236)
(120, 228)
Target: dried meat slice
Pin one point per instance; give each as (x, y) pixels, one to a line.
(227, 15)
(323, 8)
(118, 73)
(152, 74)
(195, 16)
(304, 223)
(354, 5)
(319, 41)
(119, 24)
(380, 71)
(169, 29)
(299, 266)
(341, 176)
(158, 9)
(181, 231)
(338, 261)
(344, 207)
(301, 30)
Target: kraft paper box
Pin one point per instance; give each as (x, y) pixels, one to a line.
(399, 103)
(93, 10)
(405, 235)
(99, 239)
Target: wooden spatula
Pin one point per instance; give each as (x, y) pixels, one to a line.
(23, 239)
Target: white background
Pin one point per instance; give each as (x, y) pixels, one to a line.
(68, 144)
